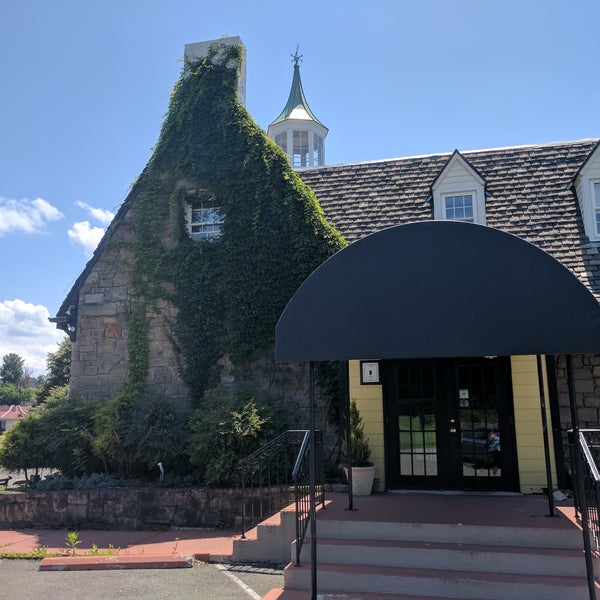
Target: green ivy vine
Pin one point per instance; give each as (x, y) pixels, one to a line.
(229, 293)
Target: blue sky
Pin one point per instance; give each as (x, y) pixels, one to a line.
(85, 86)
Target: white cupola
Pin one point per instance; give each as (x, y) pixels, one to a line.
(296, 130)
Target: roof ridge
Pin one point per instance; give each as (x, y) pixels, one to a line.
(449, 153)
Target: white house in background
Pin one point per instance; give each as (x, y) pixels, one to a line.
(9, 415)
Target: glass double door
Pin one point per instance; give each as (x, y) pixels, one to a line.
(448, 424)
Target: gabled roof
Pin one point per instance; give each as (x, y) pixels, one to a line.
(529, 194)
(297, 106)
(13, 412)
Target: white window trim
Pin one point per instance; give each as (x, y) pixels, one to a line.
(595, 192)
(587, 202)
(198, 237)
(288, 127)
(584, 190)
(439, 203)
(473, 185)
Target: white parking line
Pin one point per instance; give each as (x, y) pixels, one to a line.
(238, 582)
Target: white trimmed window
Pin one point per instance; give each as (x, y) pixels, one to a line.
(587, 189)
(281, 141)
(318, 154)
(596, 188)
(458, 207)
(300, 155)
(459, 193)
(205, 220)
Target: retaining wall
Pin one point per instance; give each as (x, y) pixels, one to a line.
(122, 508)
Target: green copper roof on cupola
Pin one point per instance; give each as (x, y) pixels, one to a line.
(297, 106)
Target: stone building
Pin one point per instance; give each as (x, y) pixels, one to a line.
(546, 194)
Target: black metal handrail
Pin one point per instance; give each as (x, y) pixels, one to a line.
(301, 477)
(585, 452)
(266, 477)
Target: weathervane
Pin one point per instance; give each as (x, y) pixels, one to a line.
(296, 57)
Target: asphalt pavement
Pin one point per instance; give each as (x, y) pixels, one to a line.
(21, 580)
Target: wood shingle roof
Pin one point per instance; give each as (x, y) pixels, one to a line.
(529, 193)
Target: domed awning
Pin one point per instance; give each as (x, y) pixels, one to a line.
(438, 289)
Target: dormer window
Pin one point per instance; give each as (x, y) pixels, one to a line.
(596, 185)
(459, 192)
(587, 187)
(459, 207)
(205, 220)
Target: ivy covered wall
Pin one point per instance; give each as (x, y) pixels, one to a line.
(175, 316)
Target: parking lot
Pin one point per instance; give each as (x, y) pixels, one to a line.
(21, 580)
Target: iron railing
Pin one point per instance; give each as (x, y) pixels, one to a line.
(587, 487)
(266, 477)
(301, 477)
(585, 452)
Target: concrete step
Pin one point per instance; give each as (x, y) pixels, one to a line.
(437, 583)
(451, 533)
(449, 556)
(269, 541)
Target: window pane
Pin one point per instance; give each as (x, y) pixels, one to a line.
(300, 155)
(459, 208)
(281, 140)
(206, 220)
(318, 150)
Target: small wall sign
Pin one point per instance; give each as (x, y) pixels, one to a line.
(369, 372)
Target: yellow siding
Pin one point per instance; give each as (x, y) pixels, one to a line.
(528, 425)
(369, 400)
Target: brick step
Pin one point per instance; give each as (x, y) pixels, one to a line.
(437, 583)
(451, 533)
(442, 555)
(281, 594)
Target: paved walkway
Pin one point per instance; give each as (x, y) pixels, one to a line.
(203, 544)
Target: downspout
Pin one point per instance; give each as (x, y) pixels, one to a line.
(345, 406)
(549, 483)
(312, 484)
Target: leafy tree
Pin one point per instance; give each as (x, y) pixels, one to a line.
(12, 369)
(55, 435)
(59, 369)
(13, 394)
(22, 446)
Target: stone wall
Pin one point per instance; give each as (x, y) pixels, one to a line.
(123, 508)
(586, 373)
(99, 360)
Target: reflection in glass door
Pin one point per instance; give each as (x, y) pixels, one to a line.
(477, 399)
(448, 424)
(417, 421)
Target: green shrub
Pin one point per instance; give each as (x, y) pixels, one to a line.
(55, 435)
(361, 453)
(135, 431)
(229, 427)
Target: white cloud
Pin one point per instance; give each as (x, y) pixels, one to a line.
(26, 331)
(28, 216)
(103, 216)
(86, 236)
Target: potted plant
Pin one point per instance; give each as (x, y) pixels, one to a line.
(363, 470)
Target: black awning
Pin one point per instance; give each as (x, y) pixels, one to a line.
(438, 289)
